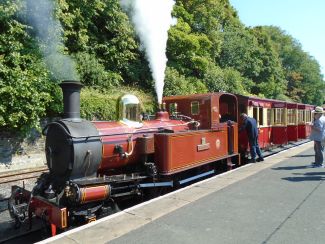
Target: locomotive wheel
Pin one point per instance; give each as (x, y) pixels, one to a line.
(18, 207)
(110, 207)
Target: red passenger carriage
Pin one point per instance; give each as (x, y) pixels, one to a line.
(292, 121)
(279, 135)
(260, 110)
(304, 120)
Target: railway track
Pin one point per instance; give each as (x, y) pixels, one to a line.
(21, 175)
(8, 233)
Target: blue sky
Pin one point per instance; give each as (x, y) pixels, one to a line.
(304, 20)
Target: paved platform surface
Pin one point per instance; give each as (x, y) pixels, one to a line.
(281, 200)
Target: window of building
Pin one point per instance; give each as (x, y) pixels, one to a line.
(195, 108)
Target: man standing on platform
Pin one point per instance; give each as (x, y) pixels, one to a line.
(250, 125)
(318, 135)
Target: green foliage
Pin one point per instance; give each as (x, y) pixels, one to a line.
(99, 27)
(101, 105)
(305, 81)
(228, 80)
(25, 88)
(93, 73)
(177, 84)
(209, 50)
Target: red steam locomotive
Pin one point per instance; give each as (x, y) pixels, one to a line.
(92, 164)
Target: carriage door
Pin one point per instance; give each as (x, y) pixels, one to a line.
(256, 116)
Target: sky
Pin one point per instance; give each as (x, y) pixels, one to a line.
(304, 20)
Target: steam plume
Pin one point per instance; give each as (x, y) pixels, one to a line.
(40, 15)
(152, 19)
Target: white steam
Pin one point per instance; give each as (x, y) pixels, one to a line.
(39, 15)
(152, 20)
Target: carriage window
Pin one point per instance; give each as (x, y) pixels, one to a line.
(269, 116)
(255, 109)
(291, 116)
(301, 116)
(260, 116)
(308, 116)
(278, 116)
(172, 108)
(195, 108)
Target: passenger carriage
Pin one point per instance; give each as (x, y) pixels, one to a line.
(304, 120)
(261, 110)
(292, 121)
(279, 135)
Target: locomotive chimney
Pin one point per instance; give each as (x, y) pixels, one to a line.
(71, 99)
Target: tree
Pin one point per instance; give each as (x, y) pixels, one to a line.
(305, 81)
(25, 88)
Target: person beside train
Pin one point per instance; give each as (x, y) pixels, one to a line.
(318, 136)
(250, 125)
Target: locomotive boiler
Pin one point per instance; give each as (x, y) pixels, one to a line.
(92, 164)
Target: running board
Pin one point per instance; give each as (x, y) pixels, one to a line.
(181, 182)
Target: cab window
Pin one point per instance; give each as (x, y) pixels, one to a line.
(172, 108)
(195, 108)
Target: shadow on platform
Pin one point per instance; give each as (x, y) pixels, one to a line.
(304, 178)
(309, 176)
(303, 156)
(292, 167)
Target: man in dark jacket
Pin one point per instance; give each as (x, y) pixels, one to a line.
(250, 125)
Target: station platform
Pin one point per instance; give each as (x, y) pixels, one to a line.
(280, 200)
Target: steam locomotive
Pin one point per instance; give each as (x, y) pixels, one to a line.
(93, 164)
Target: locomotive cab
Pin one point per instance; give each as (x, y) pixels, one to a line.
(129, 111)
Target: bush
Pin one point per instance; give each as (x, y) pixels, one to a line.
(25, 86)
(101, 104)
(93, 73)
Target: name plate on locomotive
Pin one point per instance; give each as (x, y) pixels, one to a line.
(203, 146)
